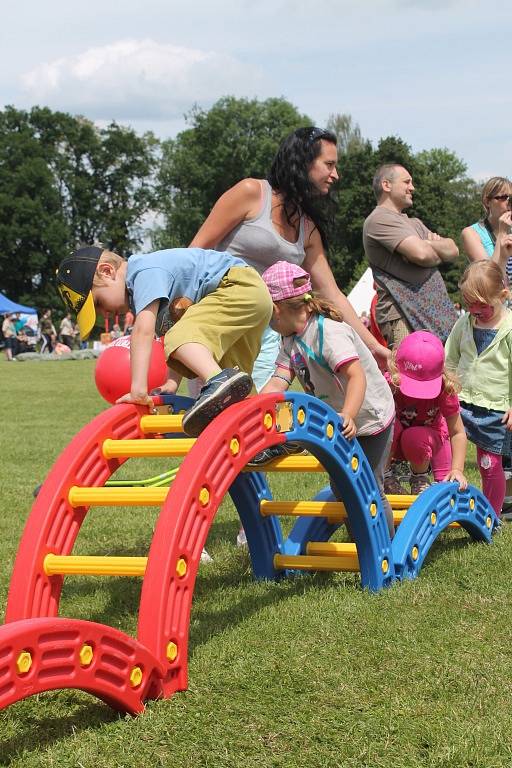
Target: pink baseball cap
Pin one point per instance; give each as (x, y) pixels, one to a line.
(420, 363)
(279, 280)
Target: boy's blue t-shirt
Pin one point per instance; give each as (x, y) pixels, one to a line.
(174, 273)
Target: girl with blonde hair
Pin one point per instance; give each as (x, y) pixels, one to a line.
(479, 349)
(332, 363)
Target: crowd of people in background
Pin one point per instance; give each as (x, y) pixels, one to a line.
(280, 225)
(26, 333)
(18, 334)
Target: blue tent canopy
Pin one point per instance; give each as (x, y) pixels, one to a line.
(7, 306)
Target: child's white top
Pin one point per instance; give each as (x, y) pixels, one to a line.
(316, 355)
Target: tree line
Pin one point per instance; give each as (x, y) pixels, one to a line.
(65, 181)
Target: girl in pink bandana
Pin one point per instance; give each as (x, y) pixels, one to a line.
(332, 363)
(428, 427)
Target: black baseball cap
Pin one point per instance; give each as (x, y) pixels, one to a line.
(75, 276)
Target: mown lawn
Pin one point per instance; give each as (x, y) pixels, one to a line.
(307, 672)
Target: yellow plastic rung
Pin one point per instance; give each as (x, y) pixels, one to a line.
(118, 449)
(400, 513)
(331, 509)
(116, 497)
(316, 563)
(291, 464)
(334, 511)
(401, 502)
(331, 548)
(150, 424)
(92, 565)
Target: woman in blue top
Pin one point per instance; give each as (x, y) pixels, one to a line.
(481, 240)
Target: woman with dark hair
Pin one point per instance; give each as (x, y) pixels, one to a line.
(285, 218)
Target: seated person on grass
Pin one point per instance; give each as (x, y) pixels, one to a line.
(216, 339)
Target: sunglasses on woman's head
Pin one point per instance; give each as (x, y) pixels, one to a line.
(317, 133)
(501, 198)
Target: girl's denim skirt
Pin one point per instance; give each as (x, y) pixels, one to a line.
(485, 428)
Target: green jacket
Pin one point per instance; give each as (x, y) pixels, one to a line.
(486, 378)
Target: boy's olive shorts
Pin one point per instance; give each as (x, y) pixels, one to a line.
(229, 322)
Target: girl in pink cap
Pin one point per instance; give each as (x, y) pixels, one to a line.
(332, 363)
(479, 348)
(428, 427)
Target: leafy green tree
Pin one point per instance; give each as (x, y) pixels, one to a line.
(354, 201)
(235, 139)
(63, 181)
(348, 133)
(124, 165)
(33, 227)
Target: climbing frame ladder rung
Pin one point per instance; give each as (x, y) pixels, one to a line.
(403, 501)
(334, 511)
(124, 449)
(317, 562)
(160, 424)
(93, 565)
(291, 464)
(331, 509)
(114, 497)
(346, 550)
(340, 548)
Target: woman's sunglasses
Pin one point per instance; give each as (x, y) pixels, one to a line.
(318, 133)
(502, 198)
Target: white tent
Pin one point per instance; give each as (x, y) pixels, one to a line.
(362, 293)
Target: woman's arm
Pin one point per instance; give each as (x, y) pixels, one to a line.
(323, 281)
(502, 249)
(459, 443)
(472, 245)
(239, 203)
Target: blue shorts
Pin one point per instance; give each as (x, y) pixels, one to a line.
(485, 428)
(265, 363)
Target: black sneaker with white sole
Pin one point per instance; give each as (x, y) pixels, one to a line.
(227, 387)
(276, 452)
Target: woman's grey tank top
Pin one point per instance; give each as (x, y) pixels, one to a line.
(257, 242)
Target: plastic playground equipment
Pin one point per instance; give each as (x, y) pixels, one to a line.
(40, 651)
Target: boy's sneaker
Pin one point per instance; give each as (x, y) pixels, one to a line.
(393, 486)
(241, 539)
(205, 557)
(227, 387)
(506, 510)
(275, 452)
(419, 482)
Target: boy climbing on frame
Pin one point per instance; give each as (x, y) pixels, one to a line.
(217, 338)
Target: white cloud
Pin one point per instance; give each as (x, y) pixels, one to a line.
(135, 79)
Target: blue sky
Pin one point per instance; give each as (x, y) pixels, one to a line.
(435, 73)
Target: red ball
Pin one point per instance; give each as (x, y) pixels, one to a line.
(113, 375)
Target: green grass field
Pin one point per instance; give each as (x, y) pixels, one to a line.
(308, 672)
